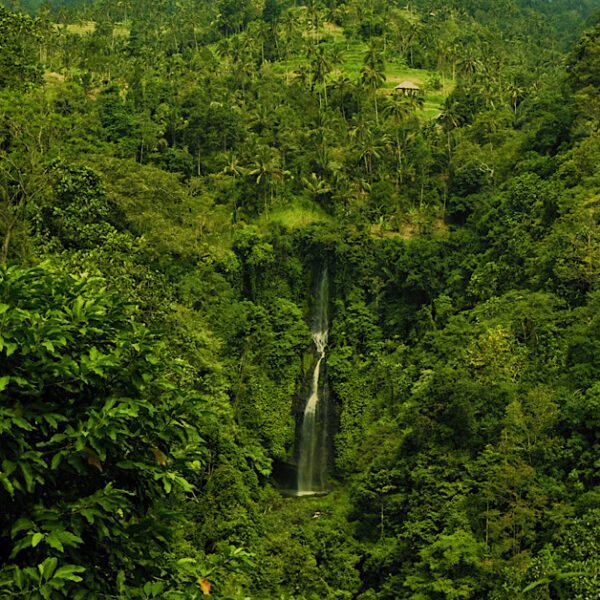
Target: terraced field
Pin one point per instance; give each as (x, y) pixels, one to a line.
(397, 71)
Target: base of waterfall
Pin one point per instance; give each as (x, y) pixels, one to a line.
(302, 493)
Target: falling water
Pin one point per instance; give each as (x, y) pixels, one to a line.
(312, 464)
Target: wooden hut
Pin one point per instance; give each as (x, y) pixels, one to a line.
(408, 88)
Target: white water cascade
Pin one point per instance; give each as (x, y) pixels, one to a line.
(312, 463)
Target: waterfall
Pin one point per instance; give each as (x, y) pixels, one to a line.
(312, 463)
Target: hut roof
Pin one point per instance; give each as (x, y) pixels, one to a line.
(407, 85)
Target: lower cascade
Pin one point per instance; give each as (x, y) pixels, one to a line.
(312, 461)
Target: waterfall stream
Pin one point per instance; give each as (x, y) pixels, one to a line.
(312, 463)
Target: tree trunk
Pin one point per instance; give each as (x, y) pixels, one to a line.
(6, 243)
(376, 111)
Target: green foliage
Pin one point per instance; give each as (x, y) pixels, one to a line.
(96, 436)
(197, 157)
(19, 65)
(81, 215)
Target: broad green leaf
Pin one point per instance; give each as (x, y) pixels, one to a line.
(51, 419)
(68, 538)
(20, 545)
(89, 514)
(27, 475)
(22, 423)
(48, 567)
(4, 381)
(56, 459)
(36, 539)
(53, 541)
(157, 588)
(48, 345)
(21, 525)
(19, 578)
(8, 486)
(68, 572)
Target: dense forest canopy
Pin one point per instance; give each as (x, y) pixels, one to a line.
(175, 177)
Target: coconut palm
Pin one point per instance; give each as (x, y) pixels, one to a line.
(372, 74)
(232, 168)
(469, 64)
(313, 16)
(373, 57)
(316, 187)
(256, 33)
(372, 78)
(287, 30)
(399, 109)
(341, 85)
(449, 120)
(515, 94)
(359, 130)
(267, 172)
(320, 65)
(368, 148)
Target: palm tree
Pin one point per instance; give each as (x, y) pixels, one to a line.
(359, 130)
(342, 85)
(320, 68)
(373, 57)
(469, 64)
(556, 580)
(268, 173)
(398, 108)
(260, 118)
(515, 94)
(233, 168)
(368, 148)
(373, 72)
(316, 187)
(232, 165)
(313, 16)
(372, 78)
(287, 32)
(453, 54)
(343, 191)
(257, 32)
(450, 119)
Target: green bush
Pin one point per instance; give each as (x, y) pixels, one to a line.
(94, 438)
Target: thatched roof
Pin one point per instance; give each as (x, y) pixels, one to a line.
(407, 85)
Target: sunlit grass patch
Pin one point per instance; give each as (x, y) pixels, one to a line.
(88, 27)
(295, 216)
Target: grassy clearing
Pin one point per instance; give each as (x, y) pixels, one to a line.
(294, 217)
(88, 27)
